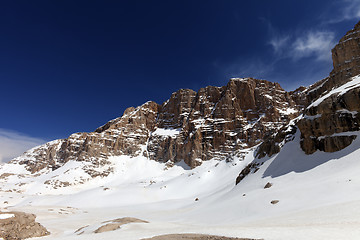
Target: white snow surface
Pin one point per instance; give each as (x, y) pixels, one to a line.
(167, 132)
(319, 197)
(6, 215)
(287, 111)
(354, 83)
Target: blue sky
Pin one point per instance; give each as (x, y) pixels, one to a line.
(70, 66)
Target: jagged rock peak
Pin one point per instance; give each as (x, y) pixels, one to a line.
(130, 111)
(346, 53)
(331, 105)
(328, 121)
(191, 126)
(240, 79)
(346, 64)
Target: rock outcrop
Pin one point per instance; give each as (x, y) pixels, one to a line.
(122, 136)
(217, 121)
(115, 224)
(330, 106)
(194, 237)
(19, 225)
(346, 57)
(328, 125)
(346, 64)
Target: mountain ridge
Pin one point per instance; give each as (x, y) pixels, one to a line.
(248, 159)
(215, 122)
(221, 114)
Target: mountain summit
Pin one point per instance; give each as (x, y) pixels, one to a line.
(218, 122)
(190, 126)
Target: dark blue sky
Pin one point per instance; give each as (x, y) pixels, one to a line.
(70, 66)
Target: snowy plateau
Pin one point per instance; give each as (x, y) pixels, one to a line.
(246, 160)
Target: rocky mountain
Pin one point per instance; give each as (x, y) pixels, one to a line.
(336, 110)
(346, 64)
(191, 126)
(331, 106)
(225, 161)
(220, 122)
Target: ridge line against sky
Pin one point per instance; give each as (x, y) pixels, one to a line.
(72, 66)
(315, 42)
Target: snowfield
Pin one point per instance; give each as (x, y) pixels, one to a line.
(318, 197)
(6, 216)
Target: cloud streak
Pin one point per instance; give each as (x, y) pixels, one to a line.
(13, 144)
(316, 44)
(300, 54)
(347, 10)
(279, 43)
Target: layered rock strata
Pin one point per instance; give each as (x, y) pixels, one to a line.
(346, 64)
(327, 123)
(328, 126)
(330, 106)
(190, 126)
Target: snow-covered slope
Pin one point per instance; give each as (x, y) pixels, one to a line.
(315, 192)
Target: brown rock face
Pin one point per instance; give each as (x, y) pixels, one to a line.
(20, 226)
(115, 224)
(216, 121)
(346, 56)
(191, 126)
(322, 125)
(273, 143)
(250, 168)
(122, 136)
(346, 62)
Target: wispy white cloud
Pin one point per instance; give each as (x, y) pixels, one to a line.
(297, 48)
(346, 10)
(13, 144)
(279, 43)
(289, 48)
(315, 43)
(352, 11)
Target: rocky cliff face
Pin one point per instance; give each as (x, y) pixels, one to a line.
(331, 105)
(328, 122)
(215, 122)
(126, 135)
(346, 57)
(335, 106)
(191, 126)
(346, 63)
